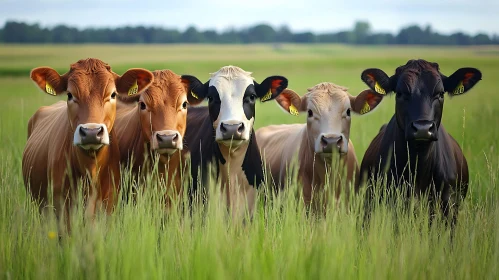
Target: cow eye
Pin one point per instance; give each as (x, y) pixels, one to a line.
(184, 105)
(70, 96)
(113, 95)
(310, 113)
(142, 105)
(441, 95)
(210, 98)
(252, 97)
(348, 112)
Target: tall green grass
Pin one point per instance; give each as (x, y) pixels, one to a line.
(141, 240)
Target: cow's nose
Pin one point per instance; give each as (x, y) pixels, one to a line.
(91, 135)
(232, 131)
(331, 143)
(167, 141)
(424, 130)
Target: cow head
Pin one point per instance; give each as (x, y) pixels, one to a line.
(232, 94)
(163, 111)
(329, 108)
(91, 88)
(420, 88)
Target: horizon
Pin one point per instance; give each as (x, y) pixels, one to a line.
(445, 17)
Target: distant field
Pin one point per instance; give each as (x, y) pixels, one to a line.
(135, 242)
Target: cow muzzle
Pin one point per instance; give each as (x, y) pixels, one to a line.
(166, 142)
(232, 134)
(91, 136)
(332, 143)
(422, 130)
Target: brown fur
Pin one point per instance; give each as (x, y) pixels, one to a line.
(135, 128)
(51, 159)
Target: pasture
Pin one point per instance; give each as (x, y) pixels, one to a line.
(141, 242)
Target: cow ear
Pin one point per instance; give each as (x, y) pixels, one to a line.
(196, 90)
(377, 80)
(365, 102)
(462, 80)
(134, 81)
(271, 87)
(290, 101)
(49, 80)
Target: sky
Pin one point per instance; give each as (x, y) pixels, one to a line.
(445, 16)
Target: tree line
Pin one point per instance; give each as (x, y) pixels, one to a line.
(361, 33)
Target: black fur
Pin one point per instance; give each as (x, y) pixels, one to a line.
(439, 167)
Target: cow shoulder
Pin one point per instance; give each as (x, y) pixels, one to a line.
(128, 132)
(372, 156)
(200, 142)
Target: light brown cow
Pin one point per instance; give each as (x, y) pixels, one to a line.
(326, 134)
(74, 140)
(154, 122)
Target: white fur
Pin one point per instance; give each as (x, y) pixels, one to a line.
(231, 83)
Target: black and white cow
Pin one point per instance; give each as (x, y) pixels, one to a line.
(222, 133)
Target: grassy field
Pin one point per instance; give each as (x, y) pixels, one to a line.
(141, 242)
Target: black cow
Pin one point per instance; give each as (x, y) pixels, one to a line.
(223, 132)
(414, 149)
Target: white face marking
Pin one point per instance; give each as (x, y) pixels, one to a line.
(103, 137)
(330, 120)
(231, 92)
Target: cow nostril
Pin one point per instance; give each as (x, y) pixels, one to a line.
(240, 129)
(340, 139)
(159, 138)
(175, 137)
(323, 141)
(82, 132)
(222, 127)
(100, 132)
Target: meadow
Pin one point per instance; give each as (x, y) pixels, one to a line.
(141, 241)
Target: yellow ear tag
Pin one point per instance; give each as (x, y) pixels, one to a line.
(133, 89)
(49, 89)
(293, 111)
(459, 89)
(194, 95)
(266, 96)
(365, 109)
(379, 89)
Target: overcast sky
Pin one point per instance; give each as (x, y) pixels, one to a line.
(445, 16)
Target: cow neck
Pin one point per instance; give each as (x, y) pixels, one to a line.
(230, 165)
(419, 155)
(86, 162)
(311, 164)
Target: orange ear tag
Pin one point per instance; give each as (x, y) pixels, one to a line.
(266, 96)
(133, 89)
(379, 89)
(293, 111)
(49, 89)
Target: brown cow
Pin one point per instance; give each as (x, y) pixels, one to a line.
(72, 140)
(326, 133)
(154, 122)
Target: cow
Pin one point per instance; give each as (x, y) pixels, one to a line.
(326, 134)
(74, 139)
(414, 151)
(154, 123)
(222, 132)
